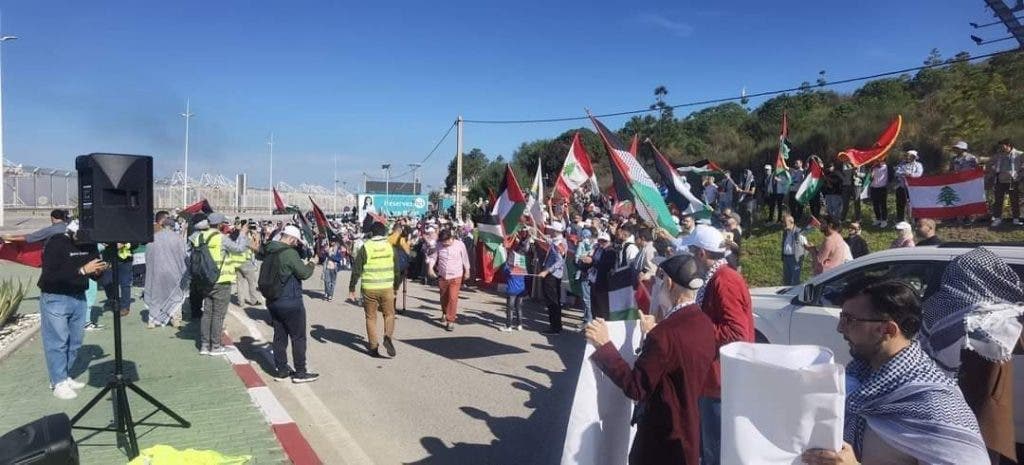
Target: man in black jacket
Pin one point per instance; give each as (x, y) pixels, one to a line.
(67, 268)
(287, 311)
(858, 246)
(926, 231)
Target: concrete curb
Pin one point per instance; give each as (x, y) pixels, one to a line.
(21, 340)
(295, 445)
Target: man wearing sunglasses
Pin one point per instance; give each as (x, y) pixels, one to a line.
(900, 407)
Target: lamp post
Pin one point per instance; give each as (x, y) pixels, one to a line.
(416, 177)
(2, 170)
(187, 115)
(270, 143)
(387, 183)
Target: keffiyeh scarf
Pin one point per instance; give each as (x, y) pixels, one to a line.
(914, 407)
(978, 307)
(707, 279)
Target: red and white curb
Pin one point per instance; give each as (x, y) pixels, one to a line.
(295, 445)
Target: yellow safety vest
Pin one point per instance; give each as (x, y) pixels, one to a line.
(124, 251)
(215, 241)
(379, 270)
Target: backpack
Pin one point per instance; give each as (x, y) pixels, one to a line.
(201, 266)
(269, 282)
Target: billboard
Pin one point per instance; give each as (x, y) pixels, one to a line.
(394, 204)
(393, 187)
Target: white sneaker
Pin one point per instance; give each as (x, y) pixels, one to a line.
(519, 327)
(996, 222)
(884, 224)
(506, 329)
(1017, 222)
(63, 391)
(74, 384)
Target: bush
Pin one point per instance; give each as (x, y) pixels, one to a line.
(11, 294)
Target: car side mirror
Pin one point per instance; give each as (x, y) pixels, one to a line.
(808, 293)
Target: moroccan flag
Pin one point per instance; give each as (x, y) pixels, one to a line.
(535, 204)
(319, 217)
(679, 192)
(576, 171)
(948, 195)
(509, 203)
(202, 206)
(704, 166)
(784, 148)
(811, 184)
(643, 192)
(860, 157)
(25, 253)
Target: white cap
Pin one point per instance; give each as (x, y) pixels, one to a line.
(903, 225)
(430, 229)
(604, 237)
(913, 153)
(72, 226)
(675, 219)
(556, 226)
(707, 238)
(960, 145)
(293, 231)
(767, 167)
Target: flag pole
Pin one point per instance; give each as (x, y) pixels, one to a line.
(458, 168)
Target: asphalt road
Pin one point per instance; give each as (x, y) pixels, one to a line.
(475, 395)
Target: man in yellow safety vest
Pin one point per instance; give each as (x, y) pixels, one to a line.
(375, 263)
(212, 234)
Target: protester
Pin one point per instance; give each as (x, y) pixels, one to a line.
(671, 371)
(287, 311)
(900, 407)
(552, 270)
(246, 269)
(908, 168)
(794, 245)
(926, 231)
(725, 298)
(747, 199)
(63, 280)
(878, 190)
(58, 224)
(833, 188)
(779, 187)
(686, 225)
(710, 191)
(584, 261)
(452, 267)
(971, 328)
(604, 260)
(858, 246)
(796, 176)
(374, 265)
(726, 191)
(332, 263)
(517, 249)
(962, 159)
(851, 184)
(216, 296)
(166, 276)
(1006, 170)
(119, 256)
(833, 251)
(904, 236)
(645, 240)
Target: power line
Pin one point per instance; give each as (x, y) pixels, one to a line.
(730, 99)
(438, 144)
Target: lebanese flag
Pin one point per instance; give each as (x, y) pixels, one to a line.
(25, 253)
(576, 171)
(643, 192)
(948, 195)
(812, 183)
(861, 157)
(509, 203)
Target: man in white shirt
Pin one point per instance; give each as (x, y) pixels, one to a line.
(879, 193)
(908, 168)
(1007, 178)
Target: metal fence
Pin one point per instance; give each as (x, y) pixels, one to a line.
(31, 187)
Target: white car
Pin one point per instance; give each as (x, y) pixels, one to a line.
(808, 313)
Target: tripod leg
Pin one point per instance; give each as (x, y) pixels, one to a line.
(129, 426)
(91, 404)
(156, 403)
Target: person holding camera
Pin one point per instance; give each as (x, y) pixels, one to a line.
(67, 268)
(281, 283)
(212, 238)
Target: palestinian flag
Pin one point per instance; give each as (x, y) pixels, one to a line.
(860, 157)
(622, 301)
(865, 188)
(492, 244)
(784, 148)
(320, 219)
(634, 145)
(643, 192)
(811, 184)
(202, 206)
(679, 192)
(704, 166)
(517, 264)
(300, 220)
(509, 203)
(279, 207)
(576, 171)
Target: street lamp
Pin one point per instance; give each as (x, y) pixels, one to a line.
(270, 143)
(2, 170)
(387, 182)
(416, 177)
(187, 115)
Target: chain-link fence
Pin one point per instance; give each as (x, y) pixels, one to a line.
(31, 187)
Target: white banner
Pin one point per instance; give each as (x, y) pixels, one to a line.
(779, 401)
(599, 432)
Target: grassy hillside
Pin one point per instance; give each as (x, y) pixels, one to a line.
(762, 260)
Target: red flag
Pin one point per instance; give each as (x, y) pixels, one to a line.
(634, 145)
(202, 206)
(319, 217)
(25, 253)
(278, 203)
(813, 223)
(859, 157)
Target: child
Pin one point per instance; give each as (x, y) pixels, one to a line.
(515, 283)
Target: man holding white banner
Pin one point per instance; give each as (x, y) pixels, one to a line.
(670, 373)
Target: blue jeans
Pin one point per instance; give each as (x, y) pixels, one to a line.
(330, 278)
(124, 276)
(791, 268)
(710, 430)
(63, 326)
(588, 314)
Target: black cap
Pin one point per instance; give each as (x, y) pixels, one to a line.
(683, 270)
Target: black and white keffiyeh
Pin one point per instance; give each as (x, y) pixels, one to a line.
(977, 307)
(914, 407)
(707, 279)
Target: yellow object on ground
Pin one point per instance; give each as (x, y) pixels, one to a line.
(167, 455)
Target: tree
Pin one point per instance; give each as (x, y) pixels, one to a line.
(948, 196)
(660, 93)
(472, 163)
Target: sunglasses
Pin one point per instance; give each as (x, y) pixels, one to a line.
(846, 318)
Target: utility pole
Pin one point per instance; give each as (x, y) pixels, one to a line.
(1006, 15)
(187, 115)
(271, 144)
(3, 171)
(416, 177)
(334, 207)
(387, 185)
(458, 169)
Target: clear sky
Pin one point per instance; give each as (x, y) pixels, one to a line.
(374, 82)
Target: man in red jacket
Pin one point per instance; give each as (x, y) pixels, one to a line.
(669, 376)
(725, 298)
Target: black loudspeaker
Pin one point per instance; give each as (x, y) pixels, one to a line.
(45, 441)
(115, 198)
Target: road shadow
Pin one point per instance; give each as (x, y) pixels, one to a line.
(516, 439)
(323, 335)
(258, 352)
(463, 347)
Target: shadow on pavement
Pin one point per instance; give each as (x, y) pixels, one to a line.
(323, 335)
(463, 347)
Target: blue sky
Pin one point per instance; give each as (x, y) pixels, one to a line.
(381, 81)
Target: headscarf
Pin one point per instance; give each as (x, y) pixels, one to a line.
(977, 307)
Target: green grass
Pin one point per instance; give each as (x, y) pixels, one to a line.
(762, 260)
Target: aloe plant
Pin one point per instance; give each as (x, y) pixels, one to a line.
(10, 299)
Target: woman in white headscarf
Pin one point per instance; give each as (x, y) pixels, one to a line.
(167, 283)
